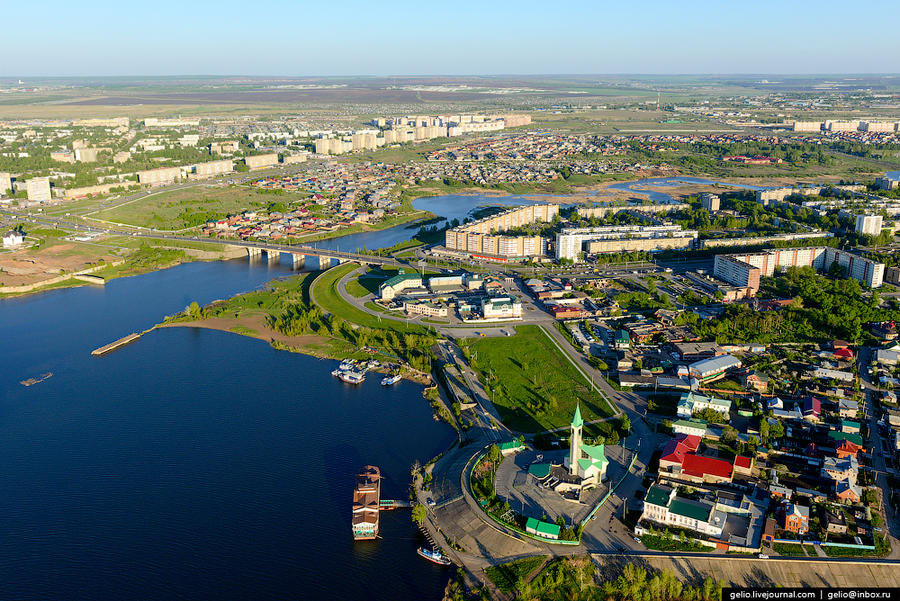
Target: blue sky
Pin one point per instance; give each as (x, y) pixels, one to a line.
(344, 37)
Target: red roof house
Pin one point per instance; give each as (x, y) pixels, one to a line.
(675, 450)
(847, 449)
(705, 469)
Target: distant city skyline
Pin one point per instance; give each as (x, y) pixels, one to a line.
(400, 37)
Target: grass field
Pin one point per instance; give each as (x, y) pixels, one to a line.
(188, 207)
(277, 295)
(327, 297)
(532, 383)
(506, 575)
(789, 549)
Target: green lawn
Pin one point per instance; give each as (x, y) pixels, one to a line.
(327, 297)
(533, 384)
(506, 575)
(789, 549)
(364, 284)
(192, 206)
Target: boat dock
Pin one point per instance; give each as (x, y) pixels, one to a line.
(108, 348)
(389, 504)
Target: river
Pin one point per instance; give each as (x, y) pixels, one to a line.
(197, 464)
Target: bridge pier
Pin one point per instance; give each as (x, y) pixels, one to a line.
(273, 257)
(325, 262)
(298, 261)
(254, 253)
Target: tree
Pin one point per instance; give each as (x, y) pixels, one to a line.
(418, 514)
(764, 430)
(776, 430)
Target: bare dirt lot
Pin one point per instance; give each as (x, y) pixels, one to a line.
(30, 266)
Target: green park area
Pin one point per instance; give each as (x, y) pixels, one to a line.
(532, 382)
(284, 313)
(326, 295)
(193, 206)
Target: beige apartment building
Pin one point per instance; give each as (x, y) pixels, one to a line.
(87, 155)
(807, 126)
(223, 147)
(261, 161)
(483, 237)
(213, 168)
(38, 189)
(159, 177)
(5, 182)
(114, 122)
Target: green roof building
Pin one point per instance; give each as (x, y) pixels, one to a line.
(586, 461)
(839, 436)
(391, 286)
(542, 529)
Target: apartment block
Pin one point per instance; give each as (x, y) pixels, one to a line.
(86, 155)
(710, 202)
(213, 168)
(571, 242)
(38, 189)
(484, 235)
(5, 182)
(807, 126)
(885, 127)
(746, 269)
(223, 147)
(159, 177)
(869, 224)
(261, 161)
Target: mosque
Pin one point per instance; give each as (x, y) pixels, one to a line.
(585, 461)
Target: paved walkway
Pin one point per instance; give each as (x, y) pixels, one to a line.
(751, 571)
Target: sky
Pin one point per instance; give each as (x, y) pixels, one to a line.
(431, 37)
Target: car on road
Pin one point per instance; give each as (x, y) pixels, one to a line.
(763, 556)
(636, 539)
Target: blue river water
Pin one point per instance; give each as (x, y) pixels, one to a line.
(196, 464)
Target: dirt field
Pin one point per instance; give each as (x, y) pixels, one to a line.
(28, 267)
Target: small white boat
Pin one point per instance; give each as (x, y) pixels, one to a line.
(434, 556)
(391, 380)
(347, 365)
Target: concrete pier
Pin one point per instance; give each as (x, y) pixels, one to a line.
(298, 261)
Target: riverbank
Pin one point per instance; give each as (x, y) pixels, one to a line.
(143, 260)
(284, 315)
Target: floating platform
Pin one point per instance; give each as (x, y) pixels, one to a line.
(108, 348)
(37, 380)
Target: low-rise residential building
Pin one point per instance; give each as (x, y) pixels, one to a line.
(756, 381)
(847, 408)
(690, 403)
(796, 518)
(690, 427)
(714, 368)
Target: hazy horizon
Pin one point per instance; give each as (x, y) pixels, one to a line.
(353, 39)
